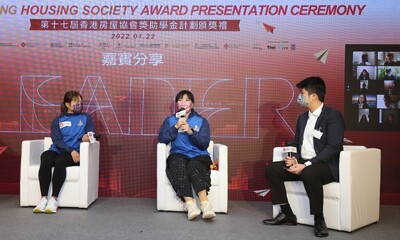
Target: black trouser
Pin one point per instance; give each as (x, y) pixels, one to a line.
(313, 177)
(184, 172)
(60, 162)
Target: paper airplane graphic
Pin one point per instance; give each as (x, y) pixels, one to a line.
(322, 55)
(346, 140)
(262, 193)
(269, 28)
(2, 149)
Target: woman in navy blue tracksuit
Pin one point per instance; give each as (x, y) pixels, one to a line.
(68, 130)
(188, 164)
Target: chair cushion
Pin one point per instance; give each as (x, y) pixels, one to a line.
(215, 177)
(331, 190)
(72, 173)
(210, 149)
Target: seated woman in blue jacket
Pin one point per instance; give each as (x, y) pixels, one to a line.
(188, 164)
(68, 130)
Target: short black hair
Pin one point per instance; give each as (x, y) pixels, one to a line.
(314, 85)
(182, 93)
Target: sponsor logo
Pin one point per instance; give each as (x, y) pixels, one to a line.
(283, 46)
(103, 45)
(65, 124)
(8, 44)
(29, 44)
(256, 46)
(196, 128)
(78, 45)
(206, 46)
(150, 45)
(280, 45)
(56, 45)
(177, 45)
(130, 46)
(233, 45)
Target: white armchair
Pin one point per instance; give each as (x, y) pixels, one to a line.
(80, 188)
(167, 200)
(349, 204)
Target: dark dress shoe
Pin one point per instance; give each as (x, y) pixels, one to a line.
(320, 229)
(281, 219)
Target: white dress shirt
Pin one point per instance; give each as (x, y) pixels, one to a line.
(307, 148)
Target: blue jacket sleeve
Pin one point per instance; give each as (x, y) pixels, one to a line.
(167, 133)
(201, 139)
(89, 123)
(57, 137)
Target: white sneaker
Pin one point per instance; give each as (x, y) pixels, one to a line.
(41, 206)
(193, 210)
(52, 206)
(207, 210)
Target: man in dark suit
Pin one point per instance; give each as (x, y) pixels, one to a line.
(319, 141)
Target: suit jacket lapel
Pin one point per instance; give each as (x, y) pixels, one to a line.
(321, 116)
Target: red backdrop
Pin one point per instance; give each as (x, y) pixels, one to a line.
(241, 71)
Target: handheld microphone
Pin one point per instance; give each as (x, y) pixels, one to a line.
(93, 136)
(180, 113)
(289, 150)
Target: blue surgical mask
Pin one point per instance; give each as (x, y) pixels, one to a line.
(301, 100)
(78, 108)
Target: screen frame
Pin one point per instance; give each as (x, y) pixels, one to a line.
(376, 89)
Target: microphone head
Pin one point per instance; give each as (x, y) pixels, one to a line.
(181, 113)
(92, 136)
(96, 135)
(289, 149)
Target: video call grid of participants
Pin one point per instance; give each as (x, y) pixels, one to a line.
(376, 92)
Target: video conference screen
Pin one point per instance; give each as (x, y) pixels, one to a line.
(372, 85)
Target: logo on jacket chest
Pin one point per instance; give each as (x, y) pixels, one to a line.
(65, 124)
(196, 128)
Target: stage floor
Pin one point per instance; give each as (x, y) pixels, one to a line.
(137, 218)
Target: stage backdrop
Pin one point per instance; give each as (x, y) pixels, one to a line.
(241, 59)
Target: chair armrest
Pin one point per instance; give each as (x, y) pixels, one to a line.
(162, 155)
(90, 155)
(360, 169)
(278, 154)
(353, 147)
(360, 178)
(30, 155)
(220, 152)
(30, 152)
(89, 172)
